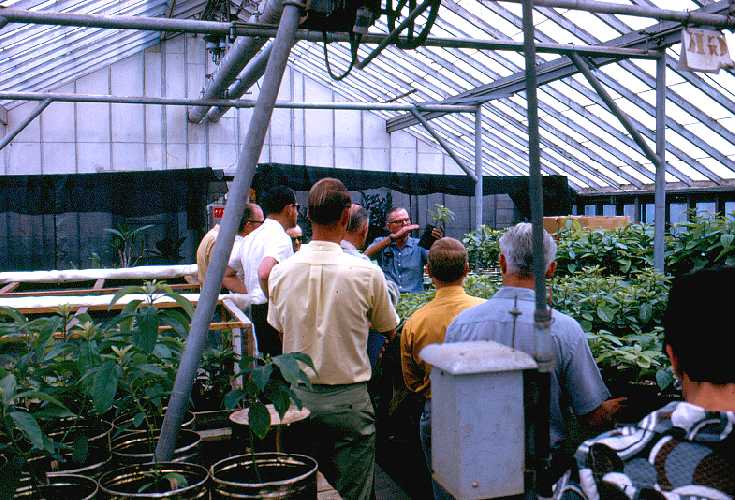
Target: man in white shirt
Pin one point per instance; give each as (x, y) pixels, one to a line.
(259, 252)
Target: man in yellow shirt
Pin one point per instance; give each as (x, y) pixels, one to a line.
(322, 301)
(447, 266)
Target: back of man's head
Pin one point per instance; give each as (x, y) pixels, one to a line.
(251, 210)
(447, 260)
(696, 326)
(327, 199)
(517, 247)
(277, 198)
(358, 218)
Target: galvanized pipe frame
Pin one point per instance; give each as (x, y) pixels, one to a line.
(694, 18)
(21, 125)
(258, 30)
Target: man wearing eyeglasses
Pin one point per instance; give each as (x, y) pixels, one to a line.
(296, 234)
(252, 218)
(399, 255)
(260, 252)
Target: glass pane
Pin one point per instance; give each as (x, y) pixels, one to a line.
(609, 210)
(629, 211)
(677, 215)
(649, 212)
(590, 210)
(706, 208)
(730, 209)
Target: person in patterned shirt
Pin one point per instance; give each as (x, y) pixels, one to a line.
(685, 449)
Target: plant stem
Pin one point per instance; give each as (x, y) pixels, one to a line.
(252, 455)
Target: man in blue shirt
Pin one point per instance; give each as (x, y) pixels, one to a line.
(399, 255)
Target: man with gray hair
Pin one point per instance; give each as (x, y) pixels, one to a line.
(508, 318)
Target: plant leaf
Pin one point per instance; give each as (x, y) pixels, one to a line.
(145, 335)
(259, 419)
(232, 398)
(28, 425)
(290, 369)
(260, 375)
(125, 291)
(8, 386)
(81, 449)
(104, 386)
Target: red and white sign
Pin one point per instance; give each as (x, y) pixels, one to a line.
(704, 50)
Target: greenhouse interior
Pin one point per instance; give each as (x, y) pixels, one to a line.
(367, 249)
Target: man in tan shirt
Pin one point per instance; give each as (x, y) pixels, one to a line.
(448, 266)
(251, 220)
(322, 301)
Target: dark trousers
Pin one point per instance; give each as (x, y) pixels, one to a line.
(268, 339)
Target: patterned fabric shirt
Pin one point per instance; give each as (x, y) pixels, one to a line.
(404, 266)
(679, 451)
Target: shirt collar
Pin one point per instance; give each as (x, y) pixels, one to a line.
(323, 246)
(510, 292)
(410, 242)
(347, 245)
(698, 423)
(449, 291)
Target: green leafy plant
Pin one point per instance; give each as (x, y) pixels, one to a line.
(127, 244)
(267, 380)
(704, 241)
(482, 247)
(441, 215)
(169, 249)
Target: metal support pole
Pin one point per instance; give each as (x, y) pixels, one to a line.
(478, 168)
(714, 20)
(660, 197)
(24, 123)
(238, 197)
(251, 74)
(442, 143)
(614, 109)
(235, 60)
(393, 34)
(538, 483)
(174, 101)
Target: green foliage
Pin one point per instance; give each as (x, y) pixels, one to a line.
(127, 244)
(169, 249)
(377, 206)
(266, 380)
(621, 252)
(441, 215)
(482, 247)
(705, 241)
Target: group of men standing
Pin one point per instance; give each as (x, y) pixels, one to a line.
(325, 298)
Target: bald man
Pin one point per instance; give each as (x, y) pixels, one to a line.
(447, 265)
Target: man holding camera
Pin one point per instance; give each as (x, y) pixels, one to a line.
(399, 255)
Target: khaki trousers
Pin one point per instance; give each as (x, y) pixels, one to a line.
(342, 429)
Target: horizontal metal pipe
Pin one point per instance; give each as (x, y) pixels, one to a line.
(233, 103)
(715, 20)
(443, 143)
(263, 30)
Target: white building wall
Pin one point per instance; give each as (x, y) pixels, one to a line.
(100, 137)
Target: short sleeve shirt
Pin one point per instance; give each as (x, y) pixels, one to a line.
(204, 252)
(404, 266)
(269, 240)
(323, 301)
(576, 379)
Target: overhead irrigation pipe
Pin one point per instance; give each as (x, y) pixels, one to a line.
(700, 18)
(236, 201)
(459, 161)
(660, 196)
(538, 483)
(478, 168)
(261, 30)
(391, 38)
(24, 123)
(246, 79)
(584, 68)
(174, 101)
(244, 48)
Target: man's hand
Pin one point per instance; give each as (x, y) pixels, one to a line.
(604, 416)
(404, 231)
(437, 233)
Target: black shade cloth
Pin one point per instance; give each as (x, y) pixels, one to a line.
(59, 221)
(557, 195)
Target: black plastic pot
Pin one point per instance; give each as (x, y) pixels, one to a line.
(138, 447)
(92, 466)
(281, 476)
(60, 487)
(124, 423)
(97, 432)
(127, 482)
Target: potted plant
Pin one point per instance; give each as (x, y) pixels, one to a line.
(166, 479)
(267, 380)
(440, 216)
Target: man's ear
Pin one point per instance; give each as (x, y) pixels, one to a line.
(503, 264)
(466, 269)
(551, 269)
(428, 270)
(345, 217)
(674, 361)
